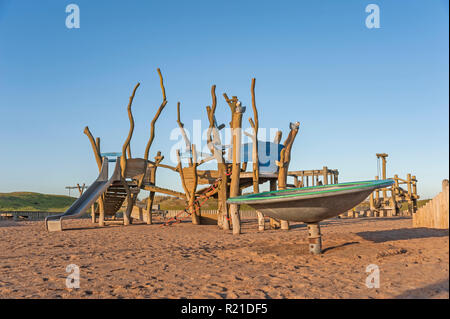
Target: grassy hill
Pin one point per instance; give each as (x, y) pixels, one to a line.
(27, 201)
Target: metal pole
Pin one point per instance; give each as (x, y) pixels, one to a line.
(314, 238)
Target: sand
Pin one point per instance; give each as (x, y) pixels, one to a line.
(187, 261)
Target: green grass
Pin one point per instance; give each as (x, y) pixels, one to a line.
(27, 201)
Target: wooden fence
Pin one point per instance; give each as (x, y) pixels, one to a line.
(435, 213)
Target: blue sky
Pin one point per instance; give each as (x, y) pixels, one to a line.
(356, 91)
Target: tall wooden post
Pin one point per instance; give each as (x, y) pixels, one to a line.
(215, 147)
(152, 180)
(383, 159)
(325, 175)
(236, 166)
(410, 196)
(255, 158)
(285, 158)
(99, 160)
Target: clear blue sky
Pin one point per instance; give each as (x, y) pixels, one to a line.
(356, 91)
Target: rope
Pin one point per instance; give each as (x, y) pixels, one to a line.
(196, 204)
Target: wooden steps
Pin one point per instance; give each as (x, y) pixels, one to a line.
(115, 196)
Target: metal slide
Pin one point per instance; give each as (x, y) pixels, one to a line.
(78, 208)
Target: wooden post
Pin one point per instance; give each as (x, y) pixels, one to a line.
(383, 159)
(325, 175)
(236, 126)
(216, 148)
(190, 192)
(285, 158)
(93, 219)
(99, 160)
(296, 182)
(151, 196)
(131, 198)
(158, 113)
(410, 196)
(274, 223)
(255, 158)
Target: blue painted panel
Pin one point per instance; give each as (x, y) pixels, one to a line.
(111, 154)
(268, 153)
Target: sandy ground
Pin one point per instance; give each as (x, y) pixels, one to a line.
(187, 261)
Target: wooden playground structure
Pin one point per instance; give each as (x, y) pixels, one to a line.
(383, 205)
(229, 179)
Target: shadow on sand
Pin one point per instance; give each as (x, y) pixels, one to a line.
(381, 236)
(339, 246)
(437, 289)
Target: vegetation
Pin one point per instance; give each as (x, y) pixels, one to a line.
(27, 201)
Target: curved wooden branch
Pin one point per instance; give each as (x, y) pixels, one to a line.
(180, 170)
(126, 145)
(255, 111)
(183, 132)
(255, 125)
(161, 82)
(95, 148)
(277, 138)
(214, 98)
(158, 113)
(255, 157)
(213, 137)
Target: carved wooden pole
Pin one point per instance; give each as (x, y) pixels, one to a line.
(158, 113)
(236, 126)
(183, 133)
(131, 198)
(255, 158)
(151, 197)
(99, 160)
(275, 223)
(325, 175)
(126, 145)
(285, 158)
(215, 146)
(190, 192)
